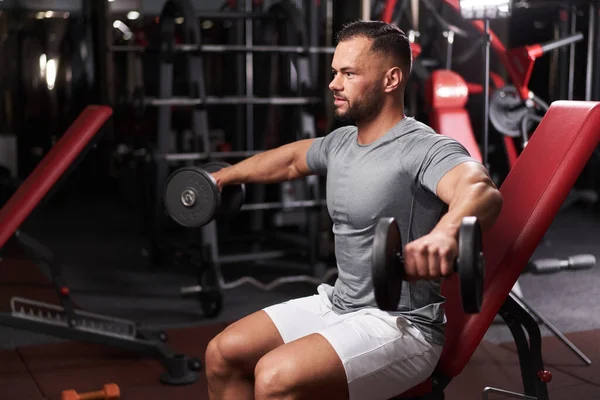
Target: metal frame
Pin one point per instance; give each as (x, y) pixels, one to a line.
(552, 328)
(207, 257)
(179, 368)
(515, 395)
(519, 321)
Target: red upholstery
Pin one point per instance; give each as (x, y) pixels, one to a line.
(49, 170)
(533, 192)
(447, 93)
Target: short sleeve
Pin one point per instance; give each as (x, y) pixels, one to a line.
(317, 157)
(443, 155)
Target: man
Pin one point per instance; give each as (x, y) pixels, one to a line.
(337, 344)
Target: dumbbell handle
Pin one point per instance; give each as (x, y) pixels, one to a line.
(110, 392)
(550, 265)
(97, 395)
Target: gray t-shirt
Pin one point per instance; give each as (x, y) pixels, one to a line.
(395, 176)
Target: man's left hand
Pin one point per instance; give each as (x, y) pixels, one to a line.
(431, 256)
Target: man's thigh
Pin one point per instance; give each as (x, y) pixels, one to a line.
(381, 359)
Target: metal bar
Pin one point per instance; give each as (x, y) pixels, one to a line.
(231, 100)
(64, 332)
(545, 321)
(255, 256)
(596, 78)
(283, 205)
(267, 287)
(240, 71)
(236, 15)
(530, 355)
(515, 395)
(590, 49)
(556, 44)
(218, 48)
(366, 10)
(486, 91)
(572, 56)
(205, 156)
(229, 48)
(514, 322)
(249, 80)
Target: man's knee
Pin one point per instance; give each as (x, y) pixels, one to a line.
(274, 378)
(224, 354)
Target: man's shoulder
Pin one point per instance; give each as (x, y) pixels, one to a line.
(411, 125)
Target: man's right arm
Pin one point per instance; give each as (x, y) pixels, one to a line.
(283, 163)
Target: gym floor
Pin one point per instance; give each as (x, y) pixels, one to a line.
(100, 247)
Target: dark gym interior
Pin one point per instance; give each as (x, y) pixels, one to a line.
(143, 88)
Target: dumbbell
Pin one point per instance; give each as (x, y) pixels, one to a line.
(551, 265)
(388, 264)
(110, 391)
(193, 199)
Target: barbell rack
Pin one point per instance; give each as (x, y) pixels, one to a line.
(195, 101)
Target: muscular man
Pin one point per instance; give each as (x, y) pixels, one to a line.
(337, 344)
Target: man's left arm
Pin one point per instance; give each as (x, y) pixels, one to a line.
(468, 190)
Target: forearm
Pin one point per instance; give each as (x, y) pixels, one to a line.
(481, 200)
(276, 165)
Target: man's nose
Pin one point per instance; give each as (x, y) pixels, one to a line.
(335, 85)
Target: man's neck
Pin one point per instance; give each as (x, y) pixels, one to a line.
(370, 131)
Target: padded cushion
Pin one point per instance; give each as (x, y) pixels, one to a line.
(446, 89)
(50, 169)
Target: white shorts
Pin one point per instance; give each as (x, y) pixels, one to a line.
(383, 355)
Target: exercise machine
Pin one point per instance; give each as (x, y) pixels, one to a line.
(66, 320)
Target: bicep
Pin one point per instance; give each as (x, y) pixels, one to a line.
(300, 164)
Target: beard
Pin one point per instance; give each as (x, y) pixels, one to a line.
(363, 109)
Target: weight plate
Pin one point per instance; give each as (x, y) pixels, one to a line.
(507, 110)
(387, 267)
(232, 196)
(471, 265)
(191, 197)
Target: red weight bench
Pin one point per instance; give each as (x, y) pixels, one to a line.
(533, 192)
(65, 321)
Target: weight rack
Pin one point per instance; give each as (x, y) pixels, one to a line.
(208, 255)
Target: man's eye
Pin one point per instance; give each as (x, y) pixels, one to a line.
(349, 74)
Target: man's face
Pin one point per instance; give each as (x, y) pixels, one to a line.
(357, 81)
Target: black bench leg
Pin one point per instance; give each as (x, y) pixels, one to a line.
(520, 321)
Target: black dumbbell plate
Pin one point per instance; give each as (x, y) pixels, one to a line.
(387, 267)
(191, 197)
(471, 265)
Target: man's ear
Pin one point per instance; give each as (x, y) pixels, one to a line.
(393, 79)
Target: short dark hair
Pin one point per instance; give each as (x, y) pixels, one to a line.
(388, 40)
